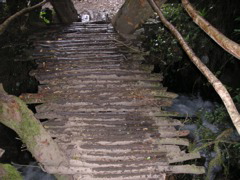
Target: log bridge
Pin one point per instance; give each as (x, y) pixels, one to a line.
(104, 107)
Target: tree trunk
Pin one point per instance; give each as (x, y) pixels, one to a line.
(65, 10)
(132, 14)
(15, 114)
(226, 43)
(217, 85)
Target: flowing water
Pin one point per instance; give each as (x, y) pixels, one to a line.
(194, 110)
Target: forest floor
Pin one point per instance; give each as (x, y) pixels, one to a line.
(109, 6)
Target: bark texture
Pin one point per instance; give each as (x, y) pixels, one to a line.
(65, 10)
(132, 14)
(15, 114)
(226, 43)
(218, 86)
(6, 23)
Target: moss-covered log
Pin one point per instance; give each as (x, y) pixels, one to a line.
(15, 114)
(132, 14)
(8, 172)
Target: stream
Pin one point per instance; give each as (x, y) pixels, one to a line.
(194, 112)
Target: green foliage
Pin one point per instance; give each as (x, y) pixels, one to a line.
(227, 151)
(237, 31)
(10, 173)
(218, 117)
(167, 54)
(203, 12)
(236, 96)
(164, 48)
(46, 15)
(3, 10)
(218, 159)
(28, 128)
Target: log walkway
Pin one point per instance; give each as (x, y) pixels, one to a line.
(105, 108)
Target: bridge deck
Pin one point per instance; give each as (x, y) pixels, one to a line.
(104, 108)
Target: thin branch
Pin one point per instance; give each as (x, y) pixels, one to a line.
(216, 83)
(127, 46)
(223, 41)
(1, 152)
(6, 23)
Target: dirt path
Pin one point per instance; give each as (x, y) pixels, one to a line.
(108, 6)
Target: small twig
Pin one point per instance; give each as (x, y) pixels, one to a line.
(133, 49)
(25, 165)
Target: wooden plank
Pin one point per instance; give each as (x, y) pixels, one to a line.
(181, 157)
(173, 141)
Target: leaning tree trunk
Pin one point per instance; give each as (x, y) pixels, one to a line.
(15, 114)
(65, 10)
(132, 14)
(215, 82)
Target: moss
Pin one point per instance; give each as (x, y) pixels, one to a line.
(62, 177)
(216, 161)
(5, 114)
(192, 146)
(29, 127)
(1, 109)
(23, 122)
(215, 143)
(10, 173)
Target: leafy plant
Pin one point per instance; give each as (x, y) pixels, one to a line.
(46, 15)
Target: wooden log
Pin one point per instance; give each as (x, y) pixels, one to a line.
(132, 14)
(185, 169)
(15, 114)
(177, 169)
(175, 141)
(180, 157)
